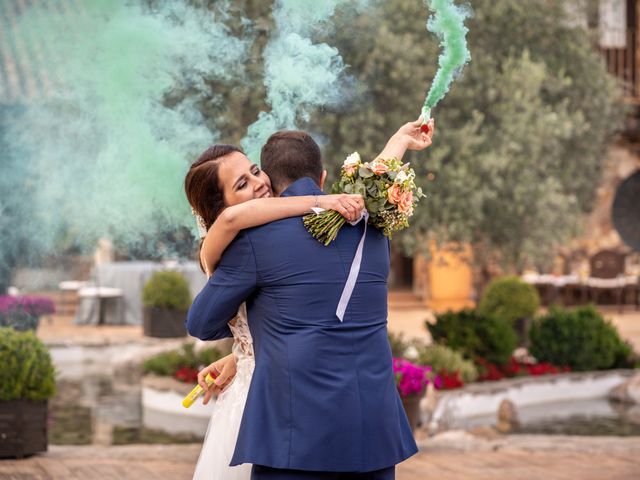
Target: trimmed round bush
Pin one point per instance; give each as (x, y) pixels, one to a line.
(509, 298)
(475, 335)
(168, 290)
(581, 339)
(27, 372)
(440, 358)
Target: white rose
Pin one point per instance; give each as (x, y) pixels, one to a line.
(352, 160)
(401, 177)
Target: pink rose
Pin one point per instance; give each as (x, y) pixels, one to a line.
(379, 168)
(394, 194)
(406, 202)
(349, 170)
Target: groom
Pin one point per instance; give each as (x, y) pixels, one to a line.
(323, 403)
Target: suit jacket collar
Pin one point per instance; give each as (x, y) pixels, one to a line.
(302, 186)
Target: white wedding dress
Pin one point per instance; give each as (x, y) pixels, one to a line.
(220, 440)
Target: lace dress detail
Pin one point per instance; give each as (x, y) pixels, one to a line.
(242, 341)
(222, 433)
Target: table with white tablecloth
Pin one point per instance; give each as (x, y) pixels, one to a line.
(553, 288)
(130, 278)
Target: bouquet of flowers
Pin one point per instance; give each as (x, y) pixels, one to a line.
(389, 191)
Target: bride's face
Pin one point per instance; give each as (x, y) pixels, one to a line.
(242, 180)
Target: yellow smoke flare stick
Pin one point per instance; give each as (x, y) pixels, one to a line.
(196, 392)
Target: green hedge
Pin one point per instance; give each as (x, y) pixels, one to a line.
(581, 339)
(168, 363)
(26, 371)
(441, 357)
(169, 290)
(475, 335)
(509, 298)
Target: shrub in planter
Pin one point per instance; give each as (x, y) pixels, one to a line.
(182, 364)
(446, 362)
(27, 381)
(581, 339)
(512, 299)
(166, 299)
(23, 313)
(412, 381)
(475, 335)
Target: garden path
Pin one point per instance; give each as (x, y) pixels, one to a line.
(454, 456)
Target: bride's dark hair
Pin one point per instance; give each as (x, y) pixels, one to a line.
(202, 185)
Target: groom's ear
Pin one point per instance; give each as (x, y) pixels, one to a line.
(322, 179)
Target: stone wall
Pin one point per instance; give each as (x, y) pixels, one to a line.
(623, 159)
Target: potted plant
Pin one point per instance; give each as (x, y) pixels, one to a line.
(168, 377)
(166, 299)
(23, 313)
(26, 383)
(412, 381)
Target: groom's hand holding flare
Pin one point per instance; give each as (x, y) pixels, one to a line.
(223, 371)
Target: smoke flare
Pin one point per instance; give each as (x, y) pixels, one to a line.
(447, 22)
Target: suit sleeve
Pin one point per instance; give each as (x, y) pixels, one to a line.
(230, 285)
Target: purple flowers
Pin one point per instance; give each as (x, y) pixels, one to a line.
(36, 306)
(412, 379)
(23, 313)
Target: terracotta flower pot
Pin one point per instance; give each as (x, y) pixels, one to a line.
(411, 404)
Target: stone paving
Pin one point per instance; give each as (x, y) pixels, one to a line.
(450, 456)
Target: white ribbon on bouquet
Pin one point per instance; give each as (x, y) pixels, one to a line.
(355, 265)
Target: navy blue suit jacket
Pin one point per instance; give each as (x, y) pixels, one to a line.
(323, 395)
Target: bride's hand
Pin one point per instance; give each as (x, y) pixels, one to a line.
(413, 137)
(223, 371)
(349, 206)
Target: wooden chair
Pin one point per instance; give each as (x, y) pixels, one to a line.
(607, 270)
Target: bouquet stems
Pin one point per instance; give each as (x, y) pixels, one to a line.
(325, 226)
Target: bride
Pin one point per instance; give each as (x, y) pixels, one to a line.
(228, 193)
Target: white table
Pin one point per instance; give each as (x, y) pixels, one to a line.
(100, 306)
(130, 278)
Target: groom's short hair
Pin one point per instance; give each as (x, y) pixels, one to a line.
(290, 155)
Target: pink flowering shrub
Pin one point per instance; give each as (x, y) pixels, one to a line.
(23, 313)
(413, 379)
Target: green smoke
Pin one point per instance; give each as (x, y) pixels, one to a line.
(104, 145)
(300, 75)
(447, 22)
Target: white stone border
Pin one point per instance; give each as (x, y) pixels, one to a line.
(484, 398)
(162, 409)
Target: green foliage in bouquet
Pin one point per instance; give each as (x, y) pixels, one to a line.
(168, 363)
(581, 339)
(475, 335)
(168, 290)
(389, 191)
(510, 298)
(441, 357)
(27, 372)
